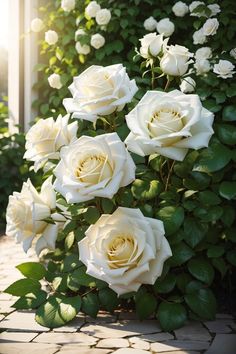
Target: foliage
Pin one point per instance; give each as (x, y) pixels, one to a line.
(195, 198)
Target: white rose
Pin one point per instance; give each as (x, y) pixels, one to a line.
(79, 32)
(68, 5)
(180, 9)
(103, 17)
(82, 48)
(224, 69)
(193, 6)
(54, 81)
(46, 137)
(210, 26)
(233, 53)
(93, 167)
(199, 37)
(92, 9)
(215, 9)
(125, 249)
(36, 25)
(100, 91)
(25, 214)
(150, 24)
(175, 60)
(165, 27)
(187, 85)
(203, 53)
(151, 44)
(97, 41)
(51, 37)
(202, 66)
(168, 124)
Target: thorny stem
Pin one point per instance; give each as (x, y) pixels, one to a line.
(169, 174)
(153, 78)
(167, 85)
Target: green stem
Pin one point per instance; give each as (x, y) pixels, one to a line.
(167, 85)
(169, 174)
(153, 78)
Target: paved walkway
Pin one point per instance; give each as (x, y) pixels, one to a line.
(119, 334)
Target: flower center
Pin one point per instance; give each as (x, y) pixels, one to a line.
(121, 250)
(93, 169)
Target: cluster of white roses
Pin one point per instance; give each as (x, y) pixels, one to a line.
(125, 249)
(164, 26)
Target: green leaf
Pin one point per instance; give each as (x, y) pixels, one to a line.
(22, 287)
(80, 277)
(227, 190)
(145, 305)
(215, 251)
(229, 113)
(58, 310)
(209, 198)
(145, 189)
(226, 133)
(91, 215)
(171, 316)
(31, 300)
(69, 241)
(108, 299)
(165, 285)
(181, 254)
(231, 257)
(220, 265)
(201, 269)
(70, 263)
(90, 305)
(228, 215)
(172, 218)
(182, 281)
(212, 159)
(107, 206)
(194, 231)
(202, 302)
(32, 270)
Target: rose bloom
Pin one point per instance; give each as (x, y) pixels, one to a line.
(68, 5)
(224, 69)
(51, 37)
(233, 53)
(103, 17)
(25, 214)
(92, 9)
(125, 249)
(193, 6)
(180, 9)
(210, 26)
(36, 25)
(54, 81)
(168, 124)
(203, 53)
(150, 24)
(199, 37)
(151, 44)
(97, 41)
(175, 60)
(100, 91)
(93, 167)
(79, 32)
(202, 66)
(165, 27)
(215, 9)
(187, 85)
(82, 48)
(46, 137)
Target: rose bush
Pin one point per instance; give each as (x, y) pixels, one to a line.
(185, 181)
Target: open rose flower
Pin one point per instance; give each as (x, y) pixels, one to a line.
(93, 167)
(46, 137)
(125, 250)
(224, 69)
(25, 214)
(151, 45)
(100, 91)
(210, 26)
(168, 124)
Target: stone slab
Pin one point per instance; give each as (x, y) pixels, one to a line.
(22, 321)
(75, 349)
(157, 337)
(17, 336)
(130, 351)
(138, 343)
(66, 338)
(223, 344)
(113, 343)
(178, 345)
(32, 348)
(193, 331)
(219, 326)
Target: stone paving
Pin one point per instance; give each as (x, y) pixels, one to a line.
(120, 333)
